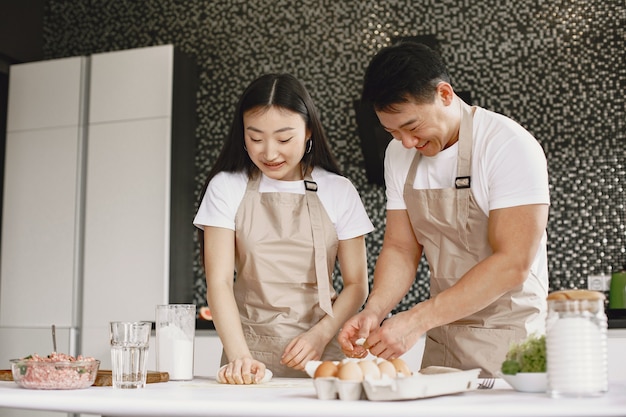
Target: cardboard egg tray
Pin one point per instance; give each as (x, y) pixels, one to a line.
(428, 382)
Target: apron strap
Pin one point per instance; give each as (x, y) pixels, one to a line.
(464, 169)
(319, 247)
(410, 176)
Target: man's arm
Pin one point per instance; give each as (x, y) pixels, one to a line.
(393, 276)
(396, 265)
(514, 236)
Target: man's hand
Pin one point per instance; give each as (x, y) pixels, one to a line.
(356, 328)
(394, 337)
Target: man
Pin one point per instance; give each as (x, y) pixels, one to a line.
(468, 188)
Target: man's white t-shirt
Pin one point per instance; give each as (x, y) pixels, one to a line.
(508, 169)
(508, 166)
(337, 194)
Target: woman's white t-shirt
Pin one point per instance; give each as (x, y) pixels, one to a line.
(337, 194)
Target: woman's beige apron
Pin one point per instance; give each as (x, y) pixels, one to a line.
(451, 227)
(282, 240)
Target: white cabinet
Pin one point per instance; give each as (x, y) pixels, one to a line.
(98, 197)
(39, 243)
(46, 94)
(40, 274)
(130, 223)
(42, 211)
(126, 228)
(132, 85)
(127, 220)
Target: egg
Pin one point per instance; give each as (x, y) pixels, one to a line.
(370, 369)
(401, 367)
(387, 368)
(350, 371)
(326, 369)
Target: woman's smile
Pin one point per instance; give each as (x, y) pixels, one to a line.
(274, 165)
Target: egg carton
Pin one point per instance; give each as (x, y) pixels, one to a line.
(331, 388)
(422, 385)
(428, 382)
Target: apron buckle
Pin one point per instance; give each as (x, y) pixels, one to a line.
(462, 182)
(310, 185)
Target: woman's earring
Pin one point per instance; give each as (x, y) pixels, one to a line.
(244, 147)
(309, 145)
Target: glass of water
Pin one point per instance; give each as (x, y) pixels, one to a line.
(129, 351)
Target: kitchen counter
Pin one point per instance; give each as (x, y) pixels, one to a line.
(290, 397)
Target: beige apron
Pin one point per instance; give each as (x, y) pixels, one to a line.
(279, 240)
(451, 227)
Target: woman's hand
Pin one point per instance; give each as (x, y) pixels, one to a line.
(305, 347)
(242, 371)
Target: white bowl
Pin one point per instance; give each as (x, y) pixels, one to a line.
(527, 381)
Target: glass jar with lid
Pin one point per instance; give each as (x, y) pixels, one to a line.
(576, 344)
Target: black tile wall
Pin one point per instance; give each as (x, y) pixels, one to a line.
(557, 67)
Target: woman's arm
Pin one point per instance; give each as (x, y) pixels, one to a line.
(310, 345)
(352, 256)
(219, 253)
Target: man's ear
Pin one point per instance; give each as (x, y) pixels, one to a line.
(445, 93)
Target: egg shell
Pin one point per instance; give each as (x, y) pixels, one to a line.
(387, 368)
(401, 367)
(326, 369)
(370, 369)
(350, 371)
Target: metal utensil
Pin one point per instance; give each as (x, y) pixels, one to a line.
(487, 383)
(54, 339)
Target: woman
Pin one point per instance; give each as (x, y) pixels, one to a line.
(277, 211)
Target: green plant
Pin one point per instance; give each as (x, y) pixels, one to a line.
(526, 356)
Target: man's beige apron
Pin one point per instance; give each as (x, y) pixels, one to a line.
(279, 239)
(451, 227)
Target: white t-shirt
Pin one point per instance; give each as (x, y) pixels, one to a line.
(337, 194)
(509, 169)
(508, 166)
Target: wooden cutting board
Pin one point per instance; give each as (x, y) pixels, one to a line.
(103, 379)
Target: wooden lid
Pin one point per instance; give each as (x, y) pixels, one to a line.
(576, 295)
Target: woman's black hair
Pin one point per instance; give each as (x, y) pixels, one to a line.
(274, 90)
(279, 90)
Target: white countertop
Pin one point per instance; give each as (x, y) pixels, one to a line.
(289, 397)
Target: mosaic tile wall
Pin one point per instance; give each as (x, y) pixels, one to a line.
(557, 67)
